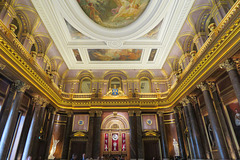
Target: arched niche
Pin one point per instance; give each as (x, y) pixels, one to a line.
(85, 85)
(145, 85)
(115, 82)
(115, 121)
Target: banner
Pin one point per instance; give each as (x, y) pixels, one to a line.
(106, 142)
(123, 142)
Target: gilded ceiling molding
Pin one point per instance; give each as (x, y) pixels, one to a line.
(16, 56)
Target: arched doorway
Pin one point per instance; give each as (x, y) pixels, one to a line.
(115, 136)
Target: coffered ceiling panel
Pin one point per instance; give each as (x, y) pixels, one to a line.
(114, 34)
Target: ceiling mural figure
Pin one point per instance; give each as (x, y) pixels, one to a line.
(113, 14)
(115, 54)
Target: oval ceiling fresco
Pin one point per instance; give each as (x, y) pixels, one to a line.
(113, 13)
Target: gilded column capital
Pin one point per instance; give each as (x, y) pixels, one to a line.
(160, 113)
(194, 99)
(177, 109)
(187, 99)
(183, 102)
(99, 113)
(19, 86)
(92, 113)
(203, 86)
(131, 113)
(138, 113)
(40, 101)
(69, 113)
(2, 66)
(212, 86)
(229, 65)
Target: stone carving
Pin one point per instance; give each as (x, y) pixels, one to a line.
(176, 147)
(54, 147)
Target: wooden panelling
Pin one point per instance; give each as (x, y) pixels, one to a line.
(171, 132)
(80, 122)
(149, 122)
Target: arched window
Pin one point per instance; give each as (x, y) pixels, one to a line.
(85, 85)
(115, 82)
(145, 86)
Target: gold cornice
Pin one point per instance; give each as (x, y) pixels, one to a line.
(212, 52)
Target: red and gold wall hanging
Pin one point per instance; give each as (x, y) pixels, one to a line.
(106, 142)
(123, 142)
(115, 142)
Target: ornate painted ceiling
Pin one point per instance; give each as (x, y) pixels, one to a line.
(119, 34)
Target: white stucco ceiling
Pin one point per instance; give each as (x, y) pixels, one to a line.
(166, 15)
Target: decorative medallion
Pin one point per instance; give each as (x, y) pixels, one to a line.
(115, 137)
(149, 122)
(113, 13)
(80, 122)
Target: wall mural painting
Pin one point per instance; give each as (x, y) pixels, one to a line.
(75, 34)
(115, 54)
(234, 114)
(113, 13)
(77, 54)
(152, 54)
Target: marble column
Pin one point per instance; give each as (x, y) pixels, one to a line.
(31, 138)
(89, 152)
(25, 129)
(7, 105)
(7, 13)
(164, 143)
(183, 129)
(139, 136)
(179, 133)
(50, 131)
(12, 120)
(195, 130)
(230, 66)
(202, 129)
(67, 136)
(57, 140)
(233, 149)
(97, 134)
(213, 118)
(133, 136)
(189, 130)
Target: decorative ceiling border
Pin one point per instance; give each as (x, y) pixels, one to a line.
(219, 45)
